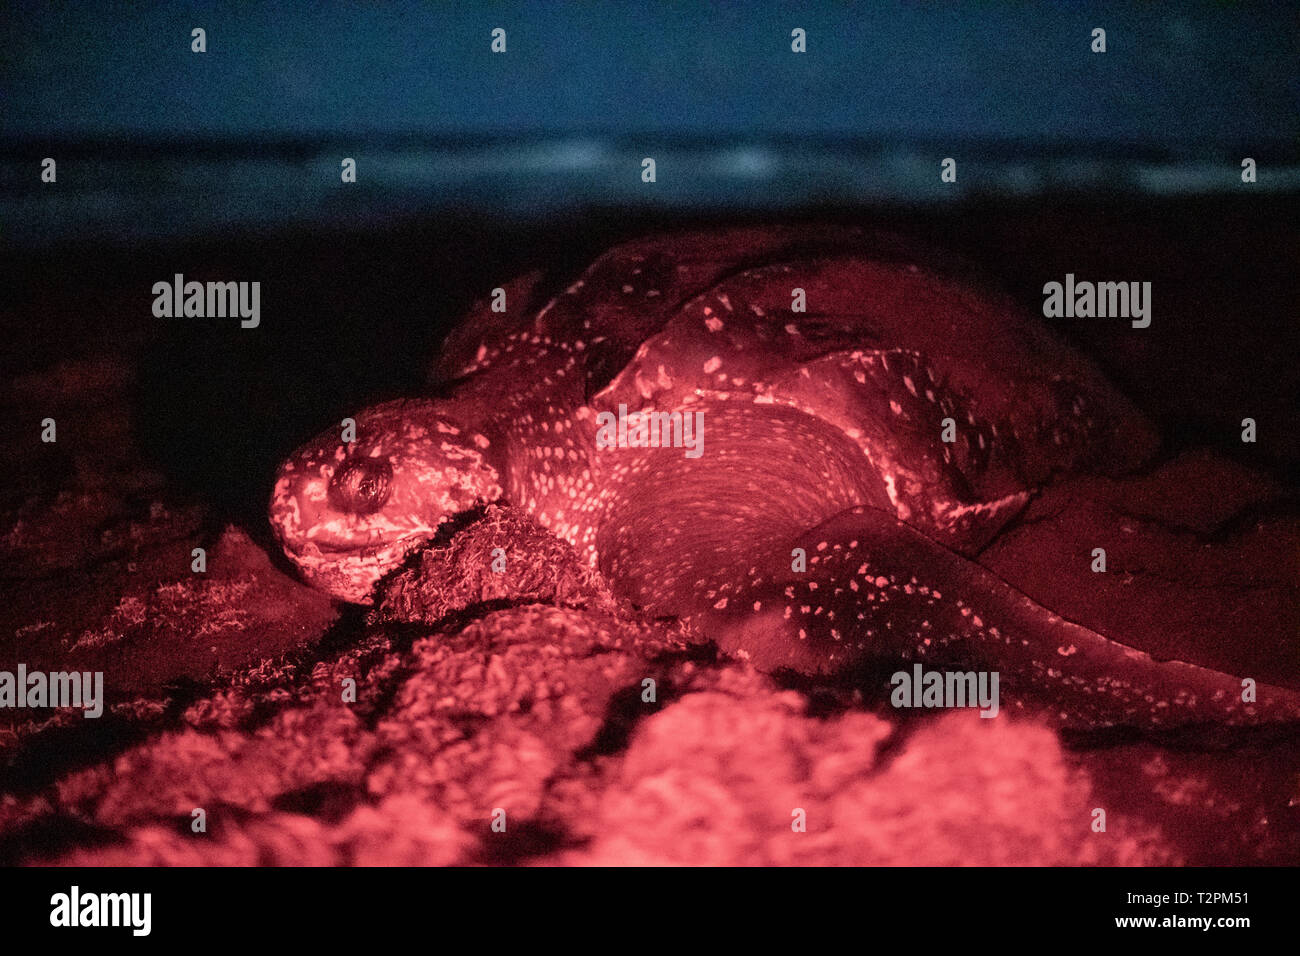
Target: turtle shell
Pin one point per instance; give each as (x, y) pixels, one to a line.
(667, 319)
(630, 292)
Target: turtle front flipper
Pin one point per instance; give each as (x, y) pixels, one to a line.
(876, 588)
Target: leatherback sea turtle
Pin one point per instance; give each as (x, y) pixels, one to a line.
(846, 459)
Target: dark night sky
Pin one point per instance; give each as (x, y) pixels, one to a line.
(156, 141)
(1178, 75)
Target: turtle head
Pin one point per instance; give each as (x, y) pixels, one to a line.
(351, 504)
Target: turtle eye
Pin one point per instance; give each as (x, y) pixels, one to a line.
(362, 485)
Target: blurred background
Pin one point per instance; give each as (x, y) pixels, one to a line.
(472, 166)
(249, 134)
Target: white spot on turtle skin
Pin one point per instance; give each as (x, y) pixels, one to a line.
(713, 324)
(712, 365)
